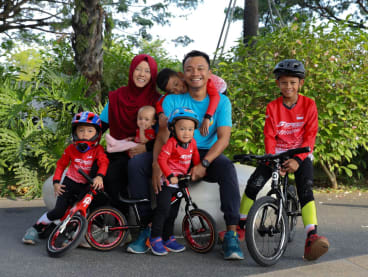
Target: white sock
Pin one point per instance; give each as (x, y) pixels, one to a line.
(309, 228)
(44, 219)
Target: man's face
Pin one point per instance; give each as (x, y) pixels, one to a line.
(196, 72)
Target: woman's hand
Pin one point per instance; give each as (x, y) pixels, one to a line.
(139, 149)
(59, 189)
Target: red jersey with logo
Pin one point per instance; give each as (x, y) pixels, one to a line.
(176, 160)
(291, 128)
(148, 133)
(81, 160)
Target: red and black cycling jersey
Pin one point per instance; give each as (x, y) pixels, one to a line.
(175, 160)
(291, 128)
(81, 160)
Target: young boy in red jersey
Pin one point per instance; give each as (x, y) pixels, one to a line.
(172, 82)
(85, 150)
(291, 122)
(174, 159)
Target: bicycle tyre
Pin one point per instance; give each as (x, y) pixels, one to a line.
(293, 208)
(259, 238)
(199, 231)
(59, 243)
(99, 235)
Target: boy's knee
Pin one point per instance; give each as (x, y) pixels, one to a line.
(305, 192)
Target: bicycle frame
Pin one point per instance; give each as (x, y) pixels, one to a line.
(80, 206)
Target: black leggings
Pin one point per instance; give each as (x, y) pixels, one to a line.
(73, 192)
(116, 179)
(303, 179)
(165, 214)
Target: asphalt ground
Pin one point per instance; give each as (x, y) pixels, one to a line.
(343, 219)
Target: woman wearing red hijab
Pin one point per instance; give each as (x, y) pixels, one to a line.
(120, 116)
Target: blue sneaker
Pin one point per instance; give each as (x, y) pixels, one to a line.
(31, 236)
(231, 248)
(139, 246)
(173, 245)
(157, 246)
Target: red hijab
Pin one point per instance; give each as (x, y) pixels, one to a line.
(125, 102)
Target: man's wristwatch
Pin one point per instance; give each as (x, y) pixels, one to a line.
(205, 163)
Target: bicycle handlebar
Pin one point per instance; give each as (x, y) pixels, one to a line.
(89, 179)
(271, 157)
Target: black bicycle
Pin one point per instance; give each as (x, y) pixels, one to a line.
(272, 219)
(107, 227)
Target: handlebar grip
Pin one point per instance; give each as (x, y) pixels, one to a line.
(242, 158)
(89, 179)
(296, 151)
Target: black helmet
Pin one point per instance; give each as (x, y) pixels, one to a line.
(290, 67)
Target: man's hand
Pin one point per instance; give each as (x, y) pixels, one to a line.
(198, 172)
(290, 166)
(156, 177)
(59, 189)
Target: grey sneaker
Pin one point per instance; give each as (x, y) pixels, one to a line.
(31, 236)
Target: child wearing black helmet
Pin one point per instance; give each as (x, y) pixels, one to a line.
(174, 159)
(291, 122)
(85, 149)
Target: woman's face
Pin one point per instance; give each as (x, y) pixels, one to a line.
(142, 74)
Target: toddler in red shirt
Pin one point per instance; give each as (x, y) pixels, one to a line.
(82, 153)
(174, 159)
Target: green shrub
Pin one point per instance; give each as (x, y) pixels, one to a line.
(336, 61)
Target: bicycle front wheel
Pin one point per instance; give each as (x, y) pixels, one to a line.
(293, 212)
(59, 242)
(266, 239)
(199, 230)
(105, 228)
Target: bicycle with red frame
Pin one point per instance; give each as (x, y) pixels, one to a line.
(69, 233)
(108, 227)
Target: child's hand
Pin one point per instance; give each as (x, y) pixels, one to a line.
(162, 120)
(204, 127)
(174, 180)
(59, 189)
(98, 183)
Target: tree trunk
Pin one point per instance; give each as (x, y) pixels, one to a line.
(87, 43)
(251, 18)
(331, 175)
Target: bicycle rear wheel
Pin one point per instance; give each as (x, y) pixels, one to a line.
(199, 230)
(266, 240)
(59, 242)
(104, 231)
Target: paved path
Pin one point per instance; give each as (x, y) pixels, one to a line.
(343, 218)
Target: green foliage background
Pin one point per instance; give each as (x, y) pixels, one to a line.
(40, 93)
(336, 60)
